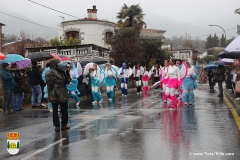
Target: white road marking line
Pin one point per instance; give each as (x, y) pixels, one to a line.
(43, 149)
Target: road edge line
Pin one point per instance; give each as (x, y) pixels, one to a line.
(43, 149)
(234, 113)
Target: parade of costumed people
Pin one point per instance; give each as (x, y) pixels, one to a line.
(124, 75)
(189, 84)
(110, 80)
(137, 73)
(145, 78)
(156, 74)
(174, 77)
(97, 79)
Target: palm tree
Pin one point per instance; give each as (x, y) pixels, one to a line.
(131, 16)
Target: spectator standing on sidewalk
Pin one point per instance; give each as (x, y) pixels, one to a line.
(42, 84)
(57, 93)
(211, 79)
(237, 72)
(219, 77)
(34, 80)
(8, 85)
(18, 90)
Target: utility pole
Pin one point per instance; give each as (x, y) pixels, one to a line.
(63, 19)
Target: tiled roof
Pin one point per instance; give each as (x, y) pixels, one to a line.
(80, 45)
(89, 20)
(1, 24)
(152, 30)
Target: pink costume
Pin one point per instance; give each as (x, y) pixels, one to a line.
(145, 78)
(174, 82)
(164, 82)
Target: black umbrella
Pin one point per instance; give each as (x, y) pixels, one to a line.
(39, 56)
(99, 60)
(231, 55)
(84, 62)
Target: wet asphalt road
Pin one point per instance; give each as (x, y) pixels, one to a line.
(136, 128)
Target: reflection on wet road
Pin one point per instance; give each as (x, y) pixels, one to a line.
(139, 127)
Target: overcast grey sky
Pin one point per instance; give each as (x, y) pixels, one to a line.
(167, 15)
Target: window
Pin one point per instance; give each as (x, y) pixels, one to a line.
(73, 34)
(108, 36)
(186, 56)
(182, 56)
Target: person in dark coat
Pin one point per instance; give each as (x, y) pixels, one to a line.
(219, 78)
(8, 85)
(34, 80)
(211, 79)
(18, 90)
(58, 94)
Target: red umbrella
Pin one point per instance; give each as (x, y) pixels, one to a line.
(2, 56)
(64, 58)
(54, 57)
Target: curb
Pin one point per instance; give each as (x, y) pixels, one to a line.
(235, 104)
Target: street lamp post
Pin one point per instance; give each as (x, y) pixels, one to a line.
(224, 33)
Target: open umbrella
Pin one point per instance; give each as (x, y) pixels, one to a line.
(232, 50)
(54, 57)
(217, 63)
(22, 64)
(207, 68)
(99, 60)
(228, 60)
(64, 58)
(88, 66)
(84, 62)
(39, 56)
(2, 56)
(12, 58)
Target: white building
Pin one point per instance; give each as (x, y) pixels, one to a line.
(185, 54)
(89, 30)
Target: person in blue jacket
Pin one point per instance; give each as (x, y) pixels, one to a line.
(45, 88)
(8, 85)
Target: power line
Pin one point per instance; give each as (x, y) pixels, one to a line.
(214, 32)
(52, 9)
(28, 21)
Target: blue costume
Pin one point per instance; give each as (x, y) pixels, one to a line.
(188, 85)
(72, 88)
(45, 88)
(96, 84)
(124, 74)
(110, 81)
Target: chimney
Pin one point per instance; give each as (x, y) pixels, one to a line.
(92, 13)
(1, 36)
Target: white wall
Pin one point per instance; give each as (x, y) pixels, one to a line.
(91, 32)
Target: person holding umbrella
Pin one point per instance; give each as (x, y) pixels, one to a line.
(219, 77)
(34, 79)
(8, 85)
(18, 90)
(211, 79)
